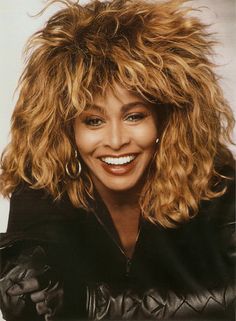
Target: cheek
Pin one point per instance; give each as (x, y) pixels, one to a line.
(146, 135)
(86, 141)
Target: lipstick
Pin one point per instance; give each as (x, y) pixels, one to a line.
(119, 170)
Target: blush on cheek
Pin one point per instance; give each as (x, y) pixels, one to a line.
(86, 143)
(146, 136)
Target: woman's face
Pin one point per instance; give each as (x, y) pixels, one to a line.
(116, 139)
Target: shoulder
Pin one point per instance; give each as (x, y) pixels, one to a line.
(28, 201)
(212, 230)
(34, 210)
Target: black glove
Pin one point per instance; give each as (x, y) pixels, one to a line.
(21, 278)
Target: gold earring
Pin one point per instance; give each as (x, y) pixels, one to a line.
(73, 168)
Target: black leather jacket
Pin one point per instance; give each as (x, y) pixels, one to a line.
(175, 274)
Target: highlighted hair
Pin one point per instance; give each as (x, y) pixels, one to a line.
(154, 48)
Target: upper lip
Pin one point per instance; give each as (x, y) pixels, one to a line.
(117, 156)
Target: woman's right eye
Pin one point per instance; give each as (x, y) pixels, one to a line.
(93, 121)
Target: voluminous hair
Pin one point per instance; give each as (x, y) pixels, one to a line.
(157, 49)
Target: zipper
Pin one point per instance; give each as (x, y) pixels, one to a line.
(110, 234)
(128, 259)
(128, 266)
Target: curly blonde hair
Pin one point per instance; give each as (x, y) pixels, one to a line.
(155, 48)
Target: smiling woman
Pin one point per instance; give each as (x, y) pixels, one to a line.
(116, 140)
(120, 178)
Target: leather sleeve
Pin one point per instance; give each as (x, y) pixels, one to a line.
(104, 304)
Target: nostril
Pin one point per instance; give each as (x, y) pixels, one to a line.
(117, 139)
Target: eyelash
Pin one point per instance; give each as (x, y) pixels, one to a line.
(90, 121)
(96, 121)
(136, 117)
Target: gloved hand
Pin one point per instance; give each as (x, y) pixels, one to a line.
(24, 276)
(48, 301)
(14, 306)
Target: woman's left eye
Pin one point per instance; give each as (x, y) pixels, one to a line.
(135, 117)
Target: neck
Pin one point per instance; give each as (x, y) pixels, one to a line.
(124, 209)
(120, 201)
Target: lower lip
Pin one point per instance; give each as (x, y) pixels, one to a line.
(119, 169)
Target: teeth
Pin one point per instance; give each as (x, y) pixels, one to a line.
(118, 160)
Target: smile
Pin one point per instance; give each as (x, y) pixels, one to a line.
(118, 160)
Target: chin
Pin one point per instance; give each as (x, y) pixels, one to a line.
(126, 185)
(120, 188)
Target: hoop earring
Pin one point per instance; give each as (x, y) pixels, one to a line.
(73, 168)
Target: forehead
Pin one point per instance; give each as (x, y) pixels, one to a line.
(117, 96)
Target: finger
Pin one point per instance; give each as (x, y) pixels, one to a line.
(42, 308)
(23, 287)
(47, 278)
(38, 296)
(48, 317)
(53, 287)
(55, 299)
(41, 281)
(46, 293)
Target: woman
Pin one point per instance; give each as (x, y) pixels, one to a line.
(120, 179)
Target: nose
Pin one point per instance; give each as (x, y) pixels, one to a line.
(117, 136)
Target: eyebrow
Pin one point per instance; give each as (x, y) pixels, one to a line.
(124, 108)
